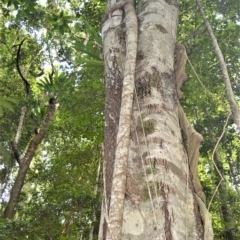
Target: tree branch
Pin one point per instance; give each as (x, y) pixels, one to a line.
(11, 207)
(26, 83)
(233, 105)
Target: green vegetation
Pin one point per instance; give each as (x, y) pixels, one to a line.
(61, 59)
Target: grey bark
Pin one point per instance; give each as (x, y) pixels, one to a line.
(159, 197)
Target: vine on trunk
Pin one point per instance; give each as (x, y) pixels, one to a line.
(194, 140)
(115, 216)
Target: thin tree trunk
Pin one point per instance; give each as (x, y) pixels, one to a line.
(233, 104)
(11, 207)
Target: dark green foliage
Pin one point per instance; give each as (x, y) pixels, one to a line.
(207, 107)
(58, 199)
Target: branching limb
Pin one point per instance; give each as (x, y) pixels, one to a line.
(11, 207)
(14, 143)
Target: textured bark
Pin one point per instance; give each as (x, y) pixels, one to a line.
(159, 197)
(114, 207)
(115, 216)
(114, 55)
(193, 144)
(160, 203)
(10, 209)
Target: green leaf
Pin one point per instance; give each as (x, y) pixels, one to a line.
(6, 102)
(94, 33)
(46, 83)
(87, 50)
(61, 14)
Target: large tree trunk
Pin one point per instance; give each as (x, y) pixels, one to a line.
(159, 194)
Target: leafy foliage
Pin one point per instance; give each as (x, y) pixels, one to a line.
(62, 59)
(66, 164)
(207, 108)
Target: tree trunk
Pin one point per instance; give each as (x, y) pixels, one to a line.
(114, 54)
(159, 194)
(10, 209)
